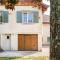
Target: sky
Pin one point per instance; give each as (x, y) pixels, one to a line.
(48, 10)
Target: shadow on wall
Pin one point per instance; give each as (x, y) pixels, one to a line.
(1, 50)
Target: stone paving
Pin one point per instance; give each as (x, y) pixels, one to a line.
(44, 52)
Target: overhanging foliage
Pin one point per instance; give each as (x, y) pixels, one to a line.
(10, 4)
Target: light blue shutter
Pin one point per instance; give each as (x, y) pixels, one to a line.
(0, 16)
(0, 19)
(35, 16)
(19, 17)
(5, 16)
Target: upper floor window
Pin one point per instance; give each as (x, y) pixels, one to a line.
(27, 17)
(48, 40)
(3, 17)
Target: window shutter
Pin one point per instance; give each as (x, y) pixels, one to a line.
(0, 18)
(19, 17)
(35, 16)
(5, 16)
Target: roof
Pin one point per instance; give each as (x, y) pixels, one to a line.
(44, 7)
(28, 2)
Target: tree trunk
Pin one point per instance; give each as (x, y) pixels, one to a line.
(55, 30)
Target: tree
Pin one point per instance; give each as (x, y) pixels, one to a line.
(10, 4)
(55, 30)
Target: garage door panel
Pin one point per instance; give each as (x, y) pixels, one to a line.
(27, 42)
(20, 42)
(34, 42)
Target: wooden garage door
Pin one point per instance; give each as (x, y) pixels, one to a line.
(34, 42)
(28, 42)
(21, 42)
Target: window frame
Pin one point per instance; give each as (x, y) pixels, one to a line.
(2, 18)
(48, 39)
(27, 17)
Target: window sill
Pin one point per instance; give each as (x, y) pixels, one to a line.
(2, 23)
(45, 45)
(26, 23)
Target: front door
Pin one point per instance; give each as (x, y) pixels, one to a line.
(28, 42)
(6, 42)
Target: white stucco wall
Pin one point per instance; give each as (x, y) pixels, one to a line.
(14, 42)
(18, 28)
(13, 27)
(46, 33)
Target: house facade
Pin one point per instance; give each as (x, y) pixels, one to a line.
(22, 28)
(46, 30)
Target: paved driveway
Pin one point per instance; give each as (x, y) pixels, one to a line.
(44, 52)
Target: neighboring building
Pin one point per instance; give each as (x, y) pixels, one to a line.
(46, 30)
(22, 28)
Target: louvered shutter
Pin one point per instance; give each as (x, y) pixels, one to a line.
(35, 16)
(5, 16)
(0, 16)
(19, 17)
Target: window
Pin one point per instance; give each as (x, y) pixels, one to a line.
(48, 39)
(3, 17)
(24, 18)
(30, 17)
(27, 17)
